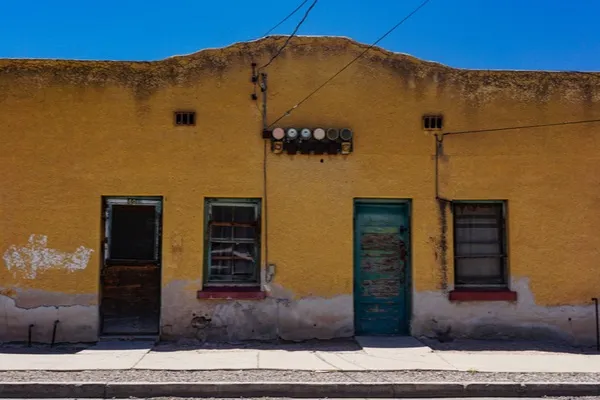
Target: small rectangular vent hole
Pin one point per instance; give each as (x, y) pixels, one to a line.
(185, 118)
(433, 122)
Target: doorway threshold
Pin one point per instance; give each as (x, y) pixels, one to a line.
(131, 338)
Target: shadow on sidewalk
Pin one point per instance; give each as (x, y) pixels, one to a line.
(507, 345)
(333, 345)
(74, 348)
(41, 349)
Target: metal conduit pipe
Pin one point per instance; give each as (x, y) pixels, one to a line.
(29, 335)
(595, 300)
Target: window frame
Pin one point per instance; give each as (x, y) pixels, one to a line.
(503, 239)
(256, 203)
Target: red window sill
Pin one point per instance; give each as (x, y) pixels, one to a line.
(482, 295)
(231, 293)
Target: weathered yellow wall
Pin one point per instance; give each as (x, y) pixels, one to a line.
(75, 131)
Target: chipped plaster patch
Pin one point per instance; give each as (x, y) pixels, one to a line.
(36, 257)
(78, 323)
(33, 298)
(281, 315)
(435, 315)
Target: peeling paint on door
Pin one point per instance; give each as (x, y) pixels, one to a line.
(381, 291)
(36, 257)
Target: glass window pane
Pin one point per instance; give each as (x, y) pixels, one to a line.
(221, 232)
(221, 213)
(477, 249)
(478, 209)
(133, 232)
(243, 267)
(479, 271)
(469, 234)
(245, 251)
(244, 233)
(221, 250)
(477, 222)
(220, 269)
(245, 215)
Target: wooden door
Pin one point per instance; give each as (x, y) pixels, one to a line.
(381, 283)
(130, 274)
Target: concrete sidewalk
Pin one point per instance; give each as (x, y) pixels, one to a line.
(366, 354)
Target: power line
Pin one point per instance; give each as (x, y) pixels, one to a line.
(265, 197)
(588, 121)
(291, 36)
(286, 18)
(351, 62)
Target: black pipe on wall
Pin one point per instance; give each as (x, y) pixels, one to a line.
(54, 333)
(595, 300)
(29, 335)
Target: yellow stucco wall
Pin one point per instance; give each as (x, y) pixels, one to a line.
(75, 131)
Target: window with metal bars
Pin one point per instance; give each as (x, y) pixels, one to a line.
(182, 118)
(233, 241)
(480, 244)
(433, 122)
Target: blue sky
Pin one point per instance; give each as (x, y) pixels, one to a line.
(494, 34)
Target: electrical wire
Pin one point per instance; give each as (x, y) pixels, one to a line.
(276, 26)
(287, 41)
(265, 155)
(291, 36)
(588, 121)
(286, 18)
(350, 63)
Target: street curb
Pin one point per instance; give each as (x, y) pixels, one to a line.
(292, 389)
(52, 390)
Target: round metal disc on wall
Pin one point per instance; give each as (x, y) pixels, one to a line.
(319, 134)
(292, 133)
(346, 134)
(278, 133)
(333, 134)
(305, 133)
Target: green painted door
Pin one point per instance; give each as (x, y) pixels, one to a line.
(381, 268)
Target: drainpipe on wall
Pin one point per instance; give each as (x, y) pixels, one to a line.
(263, 89)
(439, 151)
(54, 333)
(269, 268)
(442, 203)
(595, 300)
(29, 335)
